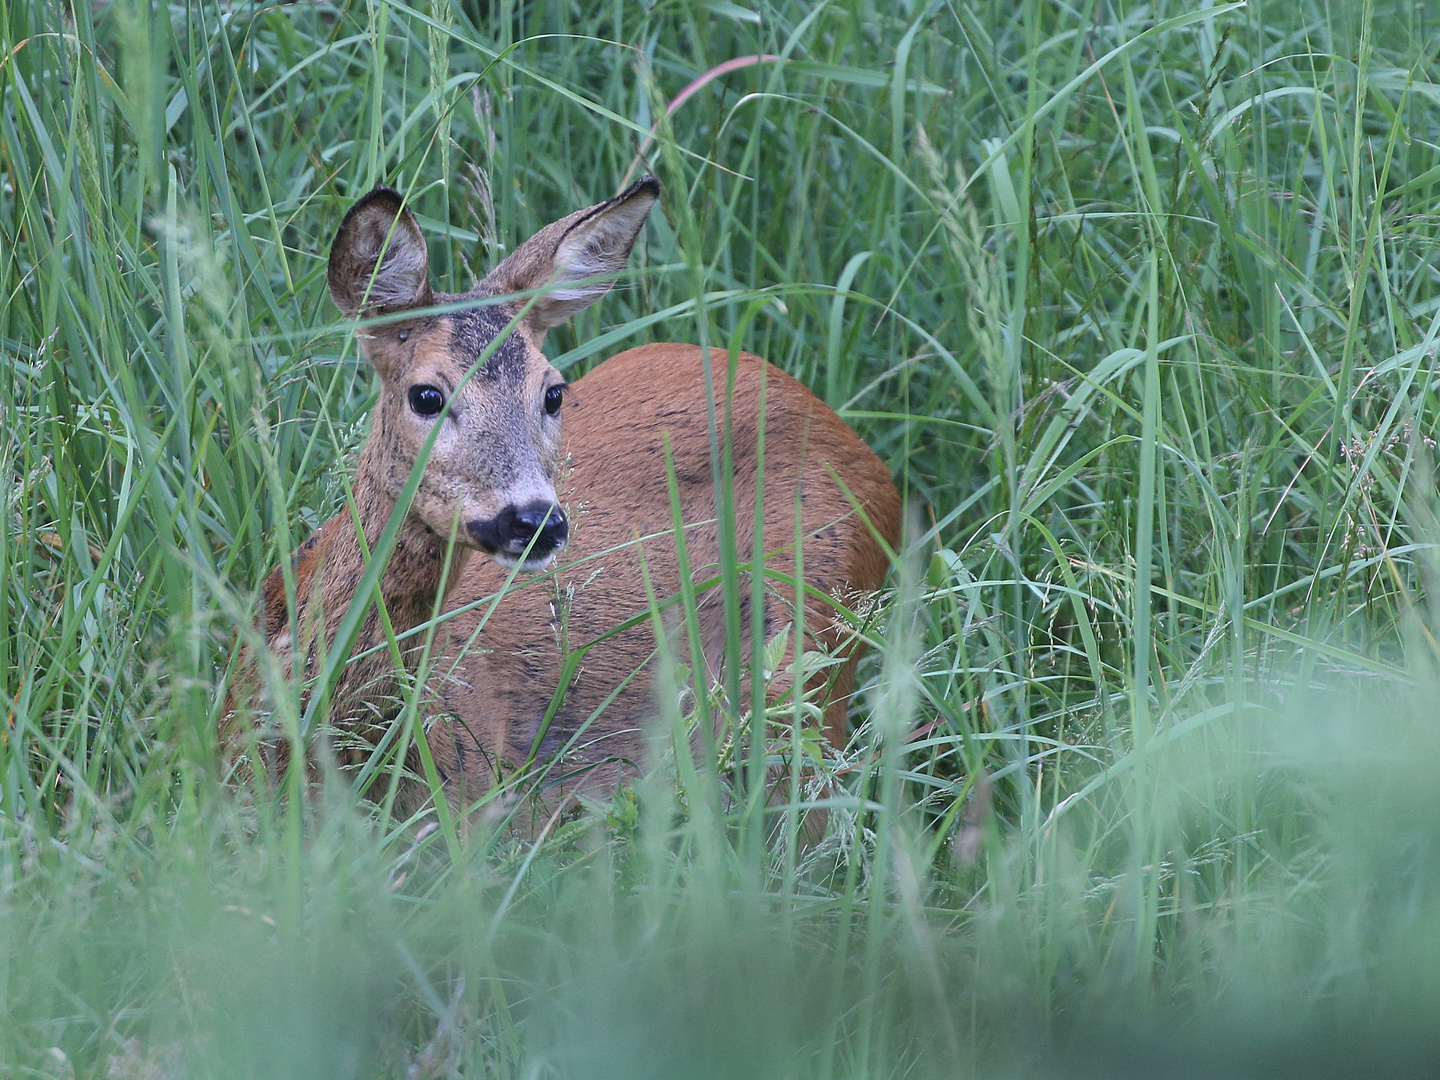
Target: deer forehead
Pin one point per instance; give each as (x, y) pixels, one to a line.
(472, 333)
(446, 350)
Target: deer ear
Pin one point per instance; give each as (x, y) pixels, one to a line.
(379, 261)
(574, 260)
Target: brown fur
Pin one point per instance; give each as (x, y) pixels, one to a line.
(614, 435)
(607, 468)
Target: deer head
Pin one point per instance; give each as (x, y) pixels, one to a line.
(492, 471)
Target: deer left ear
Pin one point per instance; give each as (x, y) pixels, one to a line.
(574, 261)
(379, 261)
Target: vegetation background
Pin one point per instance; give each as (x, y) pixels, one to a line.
(1139, 302)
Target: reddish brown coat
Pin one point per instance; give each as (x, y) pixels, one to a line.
(617, 490)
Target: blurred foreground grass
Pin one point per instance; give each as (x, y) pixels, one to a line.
(1138, 301)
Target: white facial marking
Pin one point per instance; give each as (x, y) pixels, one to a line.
(532, 565)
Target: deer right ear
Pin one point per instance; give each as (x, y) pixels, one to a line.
(379, 261)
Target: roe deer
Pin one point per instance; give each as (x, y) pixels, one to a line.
(503, 466)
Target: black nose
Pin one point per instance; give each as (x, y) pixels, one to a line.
(510, 531)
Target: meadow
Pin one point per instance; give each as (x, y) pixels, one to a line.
(1139, 302)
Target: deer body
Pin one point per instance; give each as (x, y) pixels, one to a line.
(509, 484)
(620, 413)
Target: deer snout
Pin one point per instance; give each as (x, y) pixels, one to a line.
(512, 530)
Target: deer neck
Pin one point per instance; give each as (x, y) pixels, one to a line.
(415, 579)
(328, 568)
(415, 576)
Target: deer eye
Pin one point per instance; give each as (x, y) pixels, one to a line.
(553, 398)
(426, 400)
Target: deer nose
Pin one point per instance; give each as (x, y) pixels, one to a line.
(511, 531)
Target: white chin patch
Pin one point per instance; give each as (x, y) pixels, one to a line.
(532, 565)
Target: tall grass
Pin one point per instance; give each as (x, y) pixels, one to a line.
(1137, 301)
